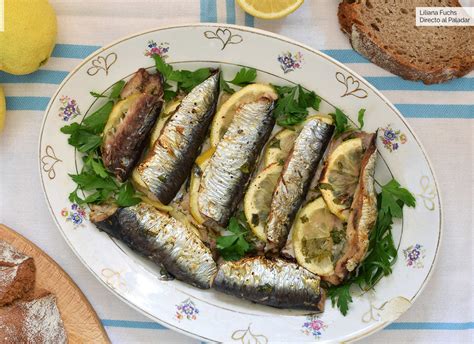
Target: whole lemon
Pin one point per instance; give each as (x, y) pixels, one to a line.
(29, 35)
(3, 108)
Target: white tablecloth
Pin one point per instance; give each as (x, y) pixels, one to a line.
(442, 116)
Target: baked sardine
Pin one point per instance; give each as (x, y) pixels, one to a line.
(169, 162)
(362, 216)
(226, 175)
(130, 123)
(294, 181)
(276, 283)
(162, 238)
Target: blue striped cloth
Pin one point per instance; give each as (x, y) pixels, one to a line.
(441, 114)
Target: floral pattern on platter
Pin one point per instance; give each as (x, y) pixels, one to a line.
(313, 326)
(414, 256)
(76, 214)
(157, 49)
(69, 109)
(392, 139)
(187, 310)
(290, 62)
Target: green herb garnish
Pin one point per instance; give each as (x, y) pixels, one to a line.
(360, 118)
(86, 137)
(243, 77)
(234, 246)
(382, 252)
(293, 103)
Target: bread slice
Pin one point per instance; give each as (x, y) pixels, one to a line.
(385, 32)
(35, 320)
(17, 274)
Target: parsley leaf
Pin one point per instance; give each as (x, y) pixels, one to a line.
(95, 122)
(360, 118)
(116, 89)
(224, 85)
(382, 253)
(126, 196)
(340, 122)
(162, 67)
(97, 95)
(341, 297)
(244, 77)
(234, 246)
(90, 181)
(293, 103)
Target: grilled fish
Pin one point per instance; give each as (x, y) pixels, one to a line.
(161, 238)
(169, 162)
(362, 216)
(293, 184)
(130, 123)
(276, 283)
(227, 173)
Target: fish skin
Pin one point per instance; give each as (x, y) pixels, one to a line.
(163, 239)
(169, 162)
(122, 147)
(293, 184)
(227, 173)
(272, 282)
(362, 217)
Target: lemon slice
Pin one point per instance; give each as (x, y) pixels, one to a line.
(224, 116)
(194, 183)
(169, 109)
(3, 109)
(269, 9)
(341, 176)
(119, 111)
(279, 147)
(281, 143)
(318, 238)
(258, 199)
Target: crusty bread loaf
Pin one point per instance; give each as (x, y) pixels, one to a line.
(17, 274)
(32, 321)
(385, 32)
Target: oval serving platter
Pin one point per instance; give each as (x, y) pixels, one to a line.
(207, 314)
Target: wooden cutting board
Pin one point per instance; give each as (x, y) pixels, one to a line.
(80, 320)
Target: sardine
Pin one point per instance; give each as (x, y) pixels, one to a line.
(226, 176)
(293, 184)
(362, 217)
(169, 162)
(130, 123)
(276, 283)
(161, 238)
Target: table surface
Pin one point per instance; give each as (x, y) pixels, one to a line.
(442, 116)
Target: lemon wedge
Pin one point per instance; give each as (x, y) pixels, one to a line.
(341, 176)
(3, 108)
(282, 142)
(269, 9)
(169, 109)
(194, 183)
(258, 199)
(226, 112)
(318, 238)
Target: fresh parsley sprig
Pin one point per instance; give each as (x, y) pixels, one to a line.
(293, 103)
(94, 178)
(342, 124)
(382, 253)
(243, 77)
(234, 246)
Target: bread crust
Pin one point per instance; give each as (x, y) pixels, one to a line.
(372, 48)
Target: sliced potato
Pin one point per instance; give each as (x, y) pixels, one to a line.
(226, 112)
(318, 238)
(341, 176)
(258, 199)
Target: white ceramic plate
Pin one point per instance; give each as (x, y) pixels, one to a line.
(209, 315)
